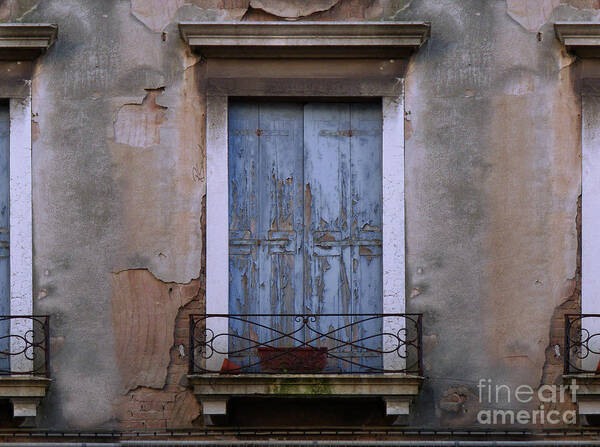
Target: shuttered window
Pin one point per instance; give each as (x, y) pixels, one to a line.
(305, 215)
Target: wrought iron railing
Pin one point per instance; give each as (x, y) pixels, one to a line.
(582, 344)
(24, 345)
(303, 343)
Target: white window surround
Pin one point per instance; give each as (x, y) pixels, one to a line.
(243, 41)
(21, 42)
(378, 40)
(21, 236)
(583, 39)
(217, 221)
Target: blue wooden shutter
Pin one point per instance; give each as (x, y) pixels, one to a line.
(342, 174)
(305, 219)
(265, 220)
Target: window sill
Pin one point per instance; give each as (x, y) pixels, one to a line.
(25, 393)
(214, 390)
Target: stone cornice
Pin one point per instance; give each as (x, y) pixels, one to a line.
(581, 38)
(23, 41)
(305, 39)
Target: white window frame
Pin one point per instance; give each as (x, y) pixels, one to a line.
(217, 222)
(239, 41)
(583, 39)
(21, 231)
(22, 42)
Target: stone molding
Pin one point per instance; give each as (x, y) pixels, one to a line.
(25, 393)
(214, 390)
(587, 392)
(581, 38)
(305, 39)
(24, 41)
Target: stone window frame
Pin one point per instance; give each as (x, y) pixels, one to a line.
(293, 42)
(21, 224)
(22, 43)
(583, 40)
(217, 215)
(241, 41)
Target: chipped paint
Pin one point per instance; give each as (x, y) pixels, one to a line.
(143, 304)
(155, 14)
(531, 14)
(292, 8)
(138, 125)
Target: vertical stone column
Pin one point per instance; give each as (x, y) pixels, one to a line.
(393, 229)
(21, 283)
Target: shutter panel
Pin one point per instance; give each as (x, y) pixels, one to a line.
(305, 225)
(281, 219)
(265, 221)
(366, 225)
(327, 222)
(243, 222)
(342, 169)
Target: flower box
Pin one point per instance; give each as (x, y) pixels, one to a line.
(291, 359)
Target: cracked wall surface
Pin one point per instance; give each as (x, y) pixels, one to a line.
(492, 184)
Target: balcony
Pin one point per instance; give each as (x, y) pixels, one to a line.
(306, 356)
(582, 360)
(24, 361)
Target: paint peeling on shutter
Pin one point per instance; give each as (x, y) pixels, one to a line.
(305, 220)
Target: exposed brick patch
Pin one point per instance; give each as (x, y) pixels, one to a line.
(174, 405)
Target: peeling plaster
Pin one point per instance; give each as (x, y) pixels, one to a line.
(155, 14)
(584, 4)
(5, 9)
(292, 8)
(355, 10)
(138, 125)
(531, 14)
(144, 310)
(16, 10)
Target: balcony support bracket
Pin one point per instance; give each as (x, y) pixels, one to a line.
(214, 390)
(24, 392)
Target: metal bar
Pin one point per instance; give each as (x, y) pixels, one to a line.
(420, 346)
(382, 315)
(34, 344)
(567, 345)
(329, 351)
(47, 345)
(191, 346)
(581, 350)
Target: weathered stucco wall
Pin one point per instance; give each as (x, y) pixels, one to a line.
(492, 187)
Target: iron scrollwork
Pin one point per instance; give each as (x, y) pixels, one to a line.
(582, 344)
(24, 341)
(306, 343)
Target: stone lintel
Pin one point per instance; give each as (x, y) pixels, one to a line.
(581, 38)
(304, 39)
(25, 41)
